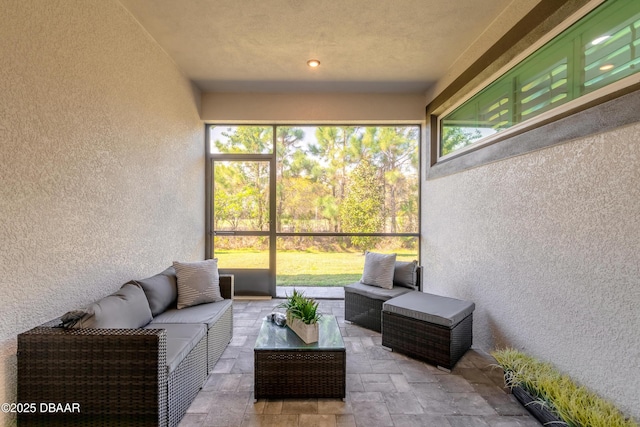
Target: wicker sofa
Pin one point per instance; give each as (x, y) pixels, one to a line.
(145, 376)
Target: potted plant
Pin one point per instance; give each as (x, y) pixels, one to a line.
(553, 398)
(302, 316)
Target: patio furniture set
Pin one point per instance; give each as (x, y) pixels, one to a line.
(140, 355)
(428, 327)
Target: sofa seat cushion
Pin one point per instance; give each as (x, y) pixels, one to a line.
(204, 313)
(375, 292)
(430, 308)
(181, 339)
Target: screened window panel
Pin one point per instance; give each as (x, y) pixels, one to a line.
(241, 139)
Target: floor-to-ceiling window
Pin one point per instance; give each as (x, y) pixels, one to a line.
(299, 205)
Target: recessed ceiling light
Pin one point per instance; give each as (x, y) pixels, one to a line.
(599, 40)
(607, 67)
(313, 63)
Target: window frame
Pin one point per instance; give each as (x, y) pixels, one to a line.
(273, 233)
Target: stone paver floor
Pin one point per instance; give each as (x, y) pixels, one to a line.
(384, 388)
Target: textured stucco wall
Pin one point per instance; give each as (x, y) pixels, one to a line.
(547, 245)
(312, 108)
(101, 165)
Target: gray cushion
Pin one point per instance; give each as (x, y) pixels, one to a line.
(198, 282)
(375, 292)
(405, 274)
(125, 308)
(378, 269)
(430, 308)
(203, 313)
(161, 290)
(181, 339)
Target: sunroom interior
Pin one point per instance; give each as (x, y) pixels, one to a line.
(105, 114)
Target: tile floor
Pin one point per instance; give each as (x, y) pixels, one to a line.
(383, 388)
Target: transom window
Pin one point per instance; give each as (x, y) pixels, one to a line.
(598, 54)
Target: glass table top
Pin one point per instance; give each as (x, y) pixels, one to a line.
(274, 337)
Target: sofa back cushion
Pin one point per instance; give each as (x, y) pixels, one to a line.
(161, 290)
(406, 274)
(124, 309)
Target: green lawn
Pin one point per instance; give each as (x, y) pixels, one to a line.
(297, 268)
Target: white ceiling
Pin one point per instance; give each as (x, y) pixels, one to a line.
(373, 46)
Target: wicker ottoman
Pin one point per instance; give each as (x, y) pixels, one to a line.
(428, 327)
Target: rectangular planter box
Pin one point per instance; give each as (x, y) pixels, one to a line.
(541, 413)
(307, 333)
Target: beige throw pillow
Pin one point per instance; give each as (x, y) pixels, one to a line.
(378, 270)
(198, 282)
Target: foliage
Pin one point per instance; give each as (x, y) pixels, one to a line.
(362, 209)
(397, 153)
(314, 169)
(573, 403)
(246, 139)
(455, 137)
(288, 163)
(300, 307)
(241, 194)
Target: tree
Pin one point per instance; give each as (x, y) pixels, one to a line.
(334, 145)
(397, 149)
(246, 139)
(456, 137)
(362, 208)
(247, 180)
(287, 144)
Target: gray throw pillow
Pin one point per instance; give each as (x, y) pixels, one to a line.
(198, 282)
(161, 290)
(405, 274)
(126, 308)
(378, 270)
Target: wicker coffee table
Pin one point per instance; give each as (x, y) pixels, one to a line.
(287, 367)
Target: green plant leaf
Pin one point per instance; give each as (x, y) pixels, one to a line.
(301, 307)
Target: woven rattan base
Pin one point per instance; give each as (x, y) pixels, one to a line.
(185, 382)
(218, 336)
(116, 376)
(285, 366)
(363, 311)
(432, 343)
(300, 374)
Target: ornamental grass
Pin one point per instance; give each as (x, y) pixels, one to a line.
(573, 403)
